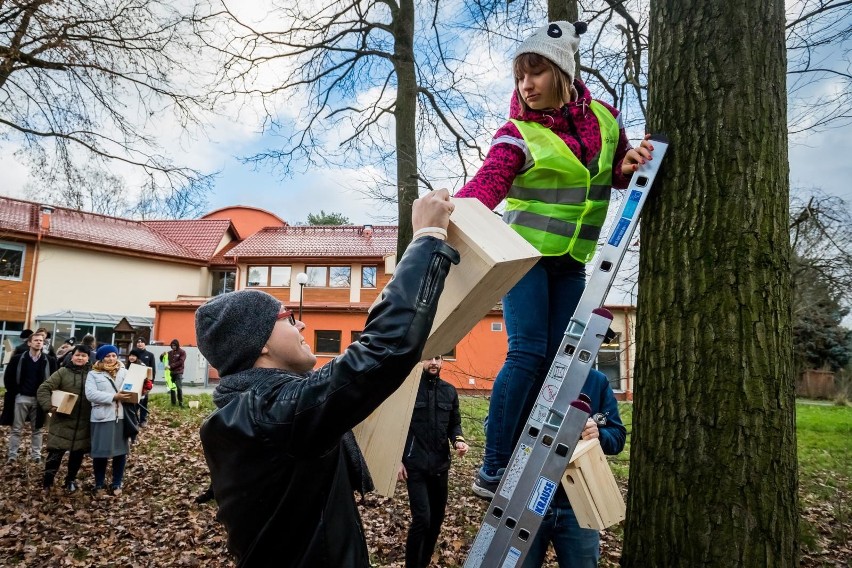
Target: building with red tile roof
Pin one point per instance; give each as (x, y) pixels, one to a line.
(60, 268)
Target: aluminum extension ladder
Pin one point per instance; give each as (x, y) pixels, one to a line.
(557, 419)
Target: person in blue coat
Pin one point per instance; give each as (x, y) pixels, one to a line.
(575, 546)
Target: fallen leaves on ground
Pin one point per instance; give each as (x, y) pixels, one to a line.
(155, 521)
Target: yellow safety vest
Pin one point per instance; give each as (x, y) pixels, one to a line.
(559, 205)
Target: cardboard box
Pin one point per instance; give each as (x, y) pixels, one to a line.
(382, 433)
(8, 351)
(592, 489)
(63, 401)
(493, 259)
(134, 380)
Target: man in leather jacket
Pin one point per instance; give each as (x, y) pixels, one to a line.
(435, 426)
(282, 473)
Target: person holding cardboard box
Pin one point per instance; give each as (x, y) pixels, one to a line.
(282, 459)
(67, 429)
(578, 547)
(144, 357)
(103, 389)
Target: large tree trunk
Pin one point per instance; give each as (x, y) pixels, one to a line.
(713, 478)
(562, 10)
(405, 117)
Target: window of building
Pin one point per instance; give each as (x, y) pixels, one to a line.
(368, 277)
(12, 261)
(223, 281)
(497, 326)
(329, 276)
(274, 276)
(10, 330)
(356, 335)
(609, 362)
(327, 341)
(451, 354)
(340, 276)
(317, 276)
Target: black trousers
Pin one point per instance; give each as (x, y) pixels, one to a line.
(54, 460)
(427, 498)
(143, 410)
(177, 379)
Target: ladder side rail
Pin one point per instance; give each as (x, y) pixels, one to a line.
(549, 480)
(612, 252)
(606, 267)
(494, 543)
(531, 455)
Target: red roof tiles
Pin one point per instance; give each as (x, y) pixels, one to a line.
(92, 229)
(200, 235)
(318, 241)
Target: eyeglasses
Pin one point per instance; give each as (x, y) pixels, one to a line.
(288, 315)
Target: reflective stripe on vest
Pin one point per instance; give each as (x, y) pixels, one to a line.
(559, 205)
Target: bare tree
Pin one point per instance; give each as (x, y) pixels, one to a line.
(80, 81)
(821, 238)
(376, 77)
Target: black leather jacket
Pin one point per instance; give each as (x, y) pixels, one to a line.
(435, 425)
(278, 470)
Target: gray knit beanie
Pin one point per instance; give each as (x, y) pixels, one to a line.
(232, 328)
(559, 42)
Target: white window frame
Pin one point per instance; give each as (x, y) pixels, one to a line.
(17, 247)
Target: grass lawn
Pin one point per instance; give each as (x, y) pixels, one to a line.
(824, 440)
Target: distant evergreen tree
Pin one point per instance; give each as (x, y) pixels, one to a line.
(819, 341)
(323, 218)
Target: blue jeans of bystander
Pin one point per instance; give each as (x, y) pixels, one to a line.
(575, 547)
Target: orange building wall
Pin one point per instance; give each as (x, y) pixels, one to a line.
(175, 324)
(247, 220)
(478, 356)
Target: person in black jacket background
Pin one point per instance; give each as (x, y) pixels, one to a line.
(144, 357)
(435, 426)
(22, 377)
(283, 461)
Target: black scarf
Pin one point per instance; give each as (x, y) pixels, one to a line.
(232, 386)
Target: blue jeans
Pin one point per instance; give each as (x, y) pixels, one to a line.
(536, 311)
(575, 547)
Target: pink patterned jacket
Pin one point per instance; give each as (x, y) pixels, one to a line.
(574, 123)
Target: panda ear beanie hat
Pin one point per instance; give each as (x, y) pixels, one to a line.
(557, 41)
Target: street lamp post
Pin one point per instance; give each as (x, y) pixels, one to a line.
(302, 279)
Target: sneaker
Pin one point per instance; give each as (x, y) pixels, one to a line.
(485, 485)
(70, 487)
(115, 490)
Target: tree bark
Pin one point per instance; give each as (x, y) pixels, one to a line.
(713, 479)
(562, 10)
(405, 118)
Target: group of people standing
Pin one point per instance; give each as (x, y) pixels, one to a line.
(95, 423)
